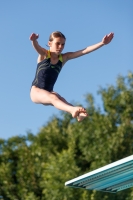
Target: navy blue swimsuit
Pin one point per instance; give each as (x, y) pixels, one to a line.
(47, 73)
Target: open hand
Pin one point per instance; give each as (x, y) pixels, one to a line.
(34, 36)
(107, 38)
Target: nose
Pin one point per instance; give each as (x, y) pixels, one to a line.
(60, 46)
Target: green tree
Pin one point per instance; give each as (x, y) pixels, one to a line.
(37, 166)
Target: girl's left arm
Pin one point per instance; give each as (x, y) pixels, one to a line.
(106, 40)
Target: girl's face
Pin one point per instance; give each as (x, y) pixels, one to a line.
(57, 45)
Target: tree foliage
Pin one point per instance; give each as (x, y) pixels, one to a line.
(35, 167)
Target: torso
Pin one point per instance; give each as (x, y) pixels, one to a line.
(47, 72)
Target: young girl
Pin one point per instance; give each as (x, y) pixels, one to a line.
(50, 63)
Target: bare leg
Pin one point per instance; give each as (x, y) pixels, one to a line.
(81, 115)
(50, 98)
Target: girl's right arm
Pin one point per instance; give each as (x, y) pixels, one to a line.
(36, 46)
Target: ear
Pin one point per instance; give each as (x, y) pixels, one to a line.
(49, 43)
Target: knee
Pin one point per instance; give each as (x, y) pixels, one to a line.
(33, 96)
(54, 97)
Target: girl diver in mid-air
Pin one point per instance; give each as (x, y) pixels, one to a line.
(50, 63)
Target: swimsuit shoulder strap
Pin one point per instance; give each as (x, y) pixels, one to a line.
(48, 54)
(60, 58)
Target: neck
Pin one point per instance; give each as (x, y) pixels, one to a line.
(54, 55)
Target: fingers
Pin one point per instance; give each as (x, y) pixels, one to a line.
(34, 36)
(107, 38)
(111, 35)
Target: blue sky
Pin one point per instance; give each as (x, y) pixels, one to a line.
(83, 23)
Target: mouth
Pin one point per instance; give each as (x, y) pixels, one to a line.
(58, 51)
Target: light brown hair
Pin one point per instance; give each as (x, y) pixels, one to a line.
(56, 34)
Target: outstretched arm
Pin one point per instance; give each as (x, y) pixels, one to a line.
(37, 47)
(106, 40)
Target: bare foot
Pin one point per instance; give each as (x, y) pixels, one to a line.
(81, 116)
(77, 111)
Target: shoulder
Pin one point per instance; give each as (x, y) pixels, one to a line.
(41, 57)
(45, 51)
(65, 56)
(71, 55)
